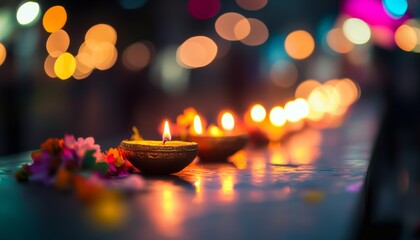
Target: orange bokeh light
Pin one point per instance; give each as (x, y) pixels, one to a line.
(299, 44)
(195, 52)
(252, 5)
(305, 88)
(258, 33)
(104, 55)
(406, 38)
(3, 53)
(349, 92)
(338, 42)
(49, 66)
(232, 26)
(137, 56)
(100, 33)
(57, 43)
(54, 19)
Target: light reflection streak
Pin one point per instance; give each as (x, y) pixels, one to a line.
(226, 193)
(258, 170)
(166, 210)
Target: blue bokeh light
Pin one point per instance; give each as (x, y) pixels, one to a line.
(396, 8)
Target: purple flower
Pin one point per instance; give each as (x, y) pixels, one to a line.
(42, 169)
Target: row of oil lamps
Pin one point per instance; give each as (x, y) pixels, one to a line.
(323, 106)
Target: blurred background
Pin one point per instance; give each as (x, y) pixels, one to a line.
(97, 68)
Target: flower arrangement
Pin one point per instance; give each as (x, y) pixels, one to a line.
(62, 161)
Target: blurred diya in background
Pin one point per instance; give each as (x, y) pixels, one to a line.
(159, 157)
(280, 121)
(217, 144)
(318, 105)
(254, 119)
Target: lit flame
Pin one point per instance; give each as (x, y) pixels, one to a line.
(277, 116)
(228, 122)
(197, 125)
(166, 133)
(258, 113)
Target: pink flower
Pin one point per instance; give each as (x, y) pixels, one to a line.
(82, 145)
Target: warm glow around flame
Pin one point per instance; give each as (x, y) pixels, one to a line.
(198, 128)
(258, 113)
(277, 116)
(228, 122)
(214, 131)
(166, 132)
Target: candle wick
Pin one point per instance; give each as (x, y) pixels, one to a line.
(164, 141)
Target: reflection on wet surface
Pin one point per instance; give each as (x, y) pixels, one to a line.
(309, 181)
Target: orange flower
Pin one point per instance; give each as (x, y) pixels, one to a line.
(53, 146)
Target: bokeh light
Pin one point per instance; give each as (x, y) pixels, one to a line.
(104, 55)
(28, 13)
(338, 42)
(252, 5)
(348, 90)
(302, 107)
(277, 116)
(49, 66)
(137, 56)
(82, 71)
(228, 121)
(415, 25)
(85, 55)
(258, 113)
(100, 33)
(258, 33)
(406, 38)
(64, 66)
(195, 52)
(283, 73)
(203, 9)
(6, 23)
(356, 30)
(98, 51)
(3, 53)
(395, 8)
(198, 127)
(54, 19)
(299, 44)
(291, 112)
(305, 88)
(242, 29)
(57, 43)
(227, 26)
(78, 75)
(169, 75)
(373, 13)
(296, 110)
(325, 99)
(132, 4)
